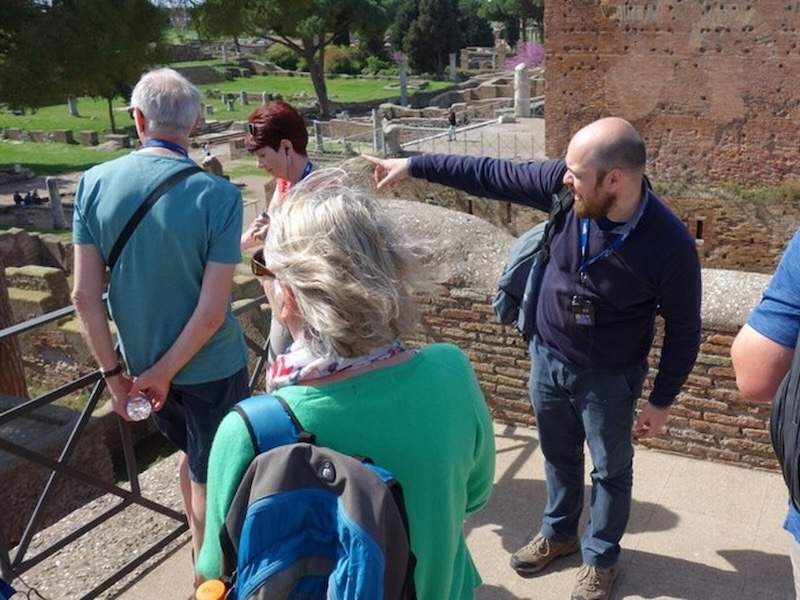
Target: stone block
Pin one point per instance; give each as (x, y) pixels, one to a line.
(38, 136)
(88, 138)
(35, 277)
(14, 133)
(246, 286)
(118, 140)
(18, 247)
(55, 252)
(63, 136)
(27, 304)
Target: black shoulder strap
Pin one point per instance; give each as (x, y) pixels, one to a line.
(562, 202)
(145, 206)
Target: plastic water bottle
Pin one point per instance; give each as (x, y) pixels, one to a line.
(138, 407)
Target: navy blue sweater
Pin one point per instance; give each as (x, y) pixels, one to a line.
(655, 270)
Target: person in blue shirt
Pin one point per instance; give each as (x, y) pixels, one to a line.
(169, 291)
(617, 259)
(762, 355)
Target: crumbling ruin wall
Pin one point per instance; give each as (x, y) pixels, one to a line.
(711, 85)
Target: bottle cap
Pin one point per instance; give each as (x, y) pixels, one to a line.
(213, 589)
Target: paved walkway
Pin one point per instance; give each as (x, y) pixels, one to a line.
(698, 531)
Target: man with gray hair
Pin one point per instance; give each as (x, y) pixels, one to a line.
(617, 259)
(169, 235)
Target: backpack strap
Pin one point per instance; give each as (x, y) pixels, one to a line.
(562, 202)
(271, 422)
(153, 197)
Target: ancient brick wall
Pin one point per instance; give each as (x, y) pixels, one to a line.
(737, 234)
(709, 420)
(711, 85)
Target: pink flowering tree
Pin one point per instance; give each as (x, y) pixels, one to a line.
(529, 53)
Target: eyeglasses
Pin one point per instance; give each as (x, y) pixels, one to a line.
(131, 110)
(252, 128)
(258, 267)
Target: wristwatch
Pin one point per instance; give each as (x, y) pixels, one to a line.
(111, 372)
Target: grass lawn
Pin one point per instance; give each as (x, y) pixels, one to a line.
(242, 170)
(94, 113)
(49, 159)
(94, 116)
(64, 234)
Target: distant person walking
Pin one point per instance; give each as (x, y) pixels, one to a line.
(169, 289)
(451, 130)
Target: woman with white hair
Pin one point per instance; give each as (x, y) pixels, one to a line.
(338, 276)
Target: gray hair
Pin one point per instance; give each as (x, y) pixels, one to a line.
(169, 101)
(349, 269)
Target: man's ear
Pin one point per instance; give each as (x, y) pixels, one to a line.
(614, 177)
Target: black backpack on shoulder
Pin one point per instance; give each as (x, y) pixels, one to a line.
(784, 427)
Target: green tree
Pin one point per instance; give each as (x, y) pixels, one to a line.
(514, 10)
(84, 47)
(432, 36)
(114, 42)
(306, 27)
(405, 14)
(475, 29)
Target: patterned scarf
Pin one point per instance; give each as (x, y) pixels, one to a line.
(298, 364)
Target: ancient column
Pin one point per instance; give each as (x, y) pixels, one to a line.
(377, 138)
(403, 83)
(522, 91)
(72, 106)
(318, 136)
(264, 98)
(59, 222)
(453, 67)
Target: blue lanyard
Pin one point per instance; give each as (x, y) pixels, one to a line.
(615, 245)
(307, 170)
(159, 143)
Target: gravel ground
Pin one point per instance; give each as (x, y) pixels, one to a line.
(79, 567)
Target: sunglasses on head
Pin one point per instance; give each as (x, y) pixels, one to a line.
(258, 267)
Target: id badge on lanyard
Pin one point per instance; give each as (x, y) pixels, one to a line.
(582, 308)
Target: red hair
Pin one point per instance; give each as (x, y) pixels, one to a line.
(274, 122)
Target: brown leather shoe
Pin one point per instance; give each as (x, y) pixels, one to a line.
(594, 583)
(540, 552)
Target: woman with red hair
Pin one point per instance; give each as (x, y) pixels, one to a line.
(277, 136)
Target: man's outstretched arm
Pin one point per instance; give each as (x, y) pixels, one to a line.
(530, 184)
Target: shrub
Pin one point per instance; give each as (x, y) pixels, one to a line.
(282, 56)
(374, 65)
(342, 60)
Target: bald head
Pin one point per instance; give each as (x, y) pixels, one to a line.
(611, 143)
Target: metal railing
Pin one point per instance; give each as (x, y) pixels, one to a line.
(16, 564)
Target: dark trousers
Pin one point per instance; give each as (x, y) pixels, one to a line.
(573, 405)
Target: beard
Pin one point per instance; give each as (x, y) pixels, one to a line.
(596, 209)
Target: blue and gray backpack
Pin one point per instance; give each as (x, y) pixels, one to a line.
(519, 284)
(310, 523)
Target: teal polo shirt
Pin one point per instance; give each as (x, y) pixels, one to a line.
(156, 282)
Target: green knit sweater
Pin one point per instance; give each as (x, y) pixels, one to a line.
(425, 420)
